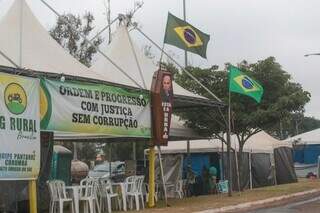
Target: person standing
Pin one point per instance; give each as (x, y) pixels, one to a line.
(213, 179)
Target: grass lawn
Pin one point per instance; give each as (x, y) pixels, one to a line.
(199, 203)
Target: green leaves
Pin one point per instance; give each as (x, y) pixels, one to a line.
(69, 38)
(282, 98)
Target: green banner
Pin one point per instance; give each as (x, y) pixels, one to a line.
(78, 107)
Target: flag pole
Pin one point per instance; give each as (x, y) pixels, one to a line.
(229, 147)
(185, 19)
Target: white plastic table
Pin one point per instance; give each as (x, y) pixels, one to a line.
(123, 194)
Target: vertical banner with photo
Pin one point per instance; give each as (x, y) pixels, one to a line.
(162, 102)
(19, 127)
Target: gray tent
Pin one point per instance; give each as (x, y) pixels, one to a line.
(265, 160)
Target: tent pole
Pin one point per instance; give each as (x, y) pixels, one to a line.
(33, 196)
(151, 200)
(136, 59)
(237, 168)
(21, 29)
(9, 59)
(250, 169)
(110, 158)
(274, 168)
(162, 177)
(222, 162)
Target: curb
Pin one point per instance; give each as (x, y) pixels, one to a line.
(260, 203)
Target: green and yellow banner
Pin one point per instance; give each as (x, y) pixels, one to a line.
(78, 107)
(19, 127)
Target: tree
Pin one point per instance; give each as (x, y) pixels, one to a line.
(69, 38)
(281, 99)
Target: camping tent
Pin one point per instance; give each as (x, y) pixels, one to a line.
(306, 147)
(266, 160)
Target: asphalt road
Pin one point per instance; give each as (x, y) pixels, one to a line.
(307, 206)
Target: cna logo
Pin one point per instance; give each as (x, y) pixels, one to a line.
(15, 98)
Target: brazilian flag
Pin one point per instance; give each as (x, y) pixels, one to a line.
(243, 84)
(185, 36)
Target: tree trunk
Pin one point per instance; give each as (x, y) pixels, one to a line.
(240, 164)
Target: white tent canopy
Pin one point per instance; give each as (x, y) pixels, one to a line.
(28, 44)
(258, 143)
(311, 137)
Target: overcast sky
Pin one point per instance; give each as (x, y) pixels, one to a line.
(246, 29)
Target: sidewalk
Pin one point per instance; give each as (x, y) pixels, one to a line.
(247, 200)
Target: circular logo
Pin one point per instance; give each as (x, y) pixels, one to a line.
(189, 36)
(15, 98)
(247, 83)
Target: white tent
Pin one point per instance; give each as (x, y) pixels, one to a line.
(311, 137)
(258, 143)
(306, 147)
(28, 44)
(265, 160)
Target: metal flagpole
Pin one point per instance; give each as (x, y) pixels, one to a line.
(229, 171)
(237, 168)
(181, 67)
(109, 22)
(21, 29)
(185, 19)
(250, 169)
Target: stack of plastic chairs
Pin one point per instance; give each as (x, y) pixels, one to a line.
(106, 194)
(58, 195)
(134, 190)
(89, 194)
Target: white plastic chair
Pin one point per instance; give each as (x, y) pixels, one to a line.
(106, 194)
(134, 190)
(88, 194)
(58, 195)
(176, 188)
(156, 189)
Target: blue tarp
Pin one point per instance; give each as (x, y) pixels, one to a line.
(307, 154)
(198, 161)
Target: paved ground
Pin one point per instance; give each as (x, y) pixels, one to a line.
(308, 206)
